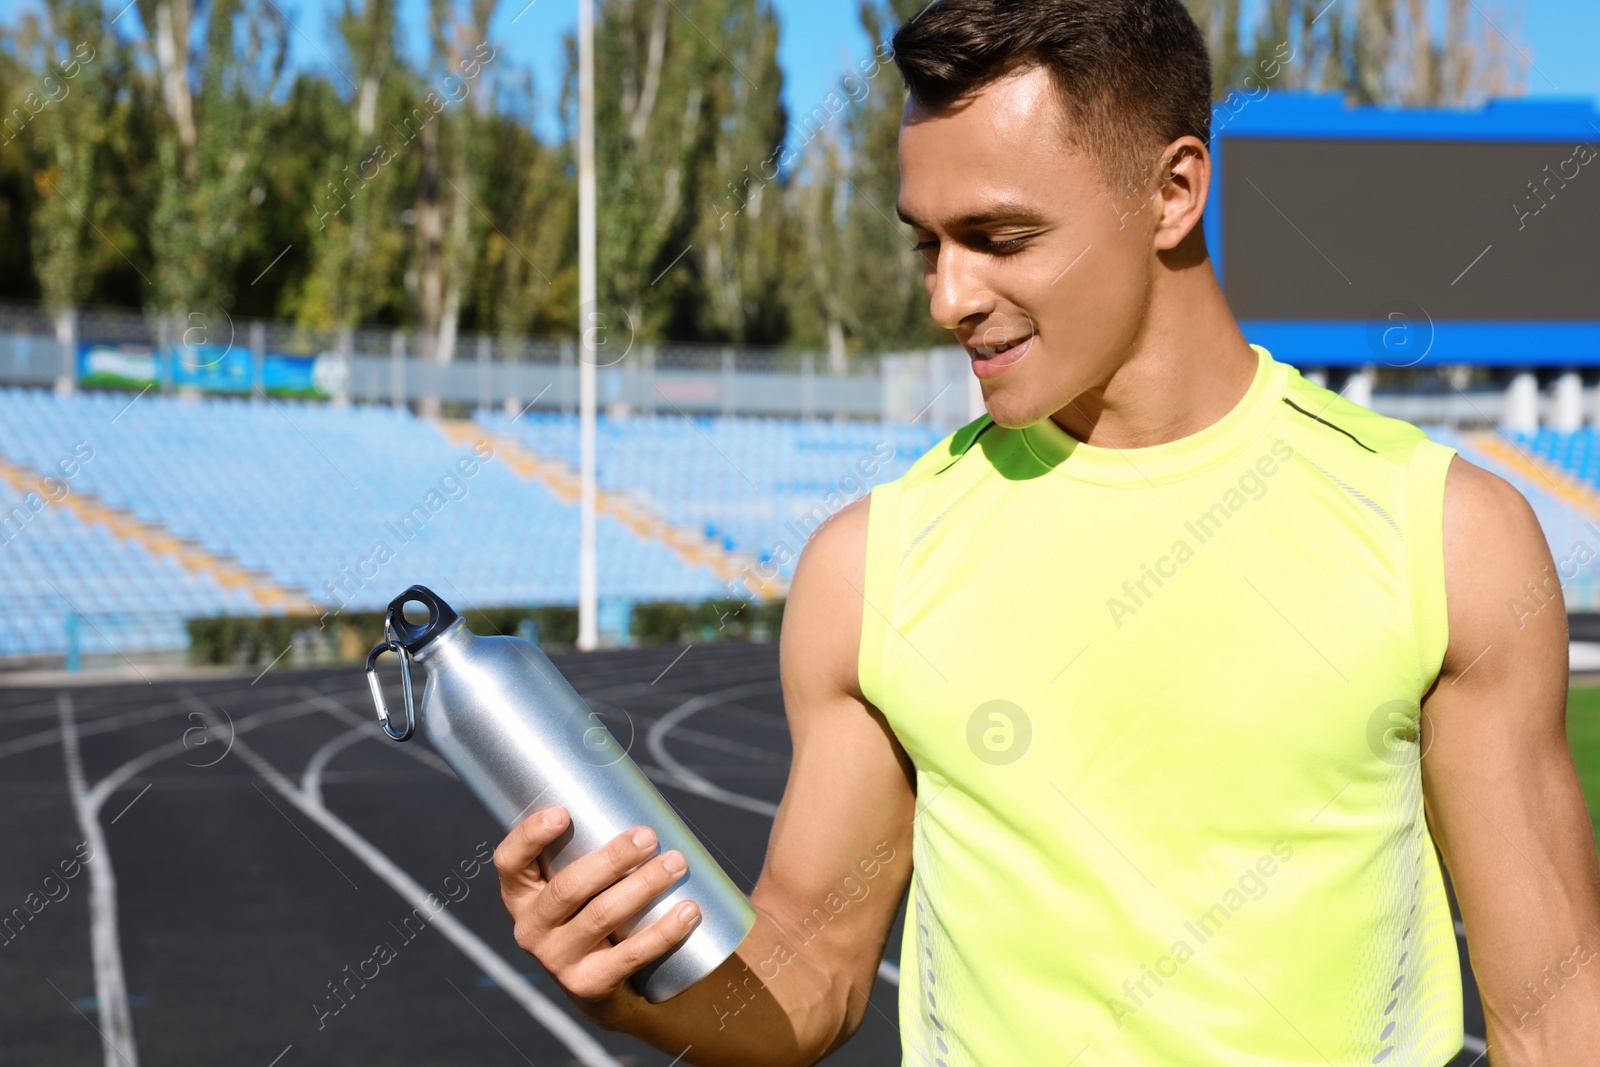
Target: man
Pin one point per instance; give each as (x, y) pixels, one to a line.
(1167, 684)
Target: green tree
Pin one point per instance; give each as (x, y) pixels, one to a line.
(68, 131)
(448, 219)
(656, 98)
(1430, 53)
(17, 278)
(744, 234)
(170, 172)
(1412, 52)
(525, 277)
(820, 308)
(210, 143)
(875, 275)
(354, 241)
(67, 114)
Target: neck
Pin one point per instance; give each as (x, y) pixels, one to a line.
(1187, 367)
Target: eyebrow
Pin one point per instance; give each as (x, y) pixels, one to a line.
(1000, 211)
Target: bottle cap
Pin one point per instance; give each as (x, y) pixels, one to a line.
(413, 637)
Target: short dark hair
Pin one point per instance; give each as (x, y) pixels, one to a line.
(1129, 72)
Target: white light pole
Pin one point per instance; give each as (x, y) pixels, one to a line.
(588, 313)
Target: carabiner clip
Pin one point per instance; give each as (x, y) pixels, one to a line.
(390, 644)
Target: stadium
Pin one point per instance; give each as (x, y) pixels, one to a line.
(201, 522)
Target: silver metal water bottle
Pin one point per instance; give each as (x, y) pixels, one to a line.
(521, 737)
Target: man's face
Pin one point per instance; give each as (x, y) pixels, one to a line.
(1029, 259)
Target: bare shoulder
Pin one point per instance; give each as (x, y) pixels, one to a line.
(822, 619)
(1501, 585)
(852, 516)
(1473, 492)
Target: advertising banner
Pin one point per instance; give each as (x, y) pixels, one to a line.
(117, 366)
(212, 369)
(308, 377)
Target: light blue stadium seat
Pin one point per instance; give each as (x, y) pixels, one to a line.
(302, 491)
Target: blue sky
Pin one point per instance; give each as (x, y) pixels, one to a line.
(1562, 39)
(822, 38)
(818, 41)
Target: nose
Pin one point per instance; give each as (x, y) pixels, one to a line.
(955, 288)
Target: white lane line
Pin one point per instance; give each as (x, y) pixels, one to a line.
(74, 1006)
(46, 738)
(110, 723)
(110, 986)
(117, 778)
(753, 753)
(349, 718)
(311, 780)
(38, 709)
(656, 742)
(307, 836)
(681, 776)
(544, 1011)
(111, 991)
(279, 1056)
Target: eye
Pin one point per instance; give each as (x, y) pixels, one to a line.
(924, 246)
(1012, 245)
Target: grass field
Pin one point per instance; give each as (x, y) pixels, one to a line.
(1583, 732)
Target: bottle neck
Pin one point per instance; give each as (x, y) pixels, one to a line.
(454, 636)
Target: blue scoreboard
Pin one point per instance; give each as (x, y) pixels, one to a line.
(1349, 236)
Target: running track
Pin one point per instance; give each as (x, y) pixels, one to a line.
(254, 839)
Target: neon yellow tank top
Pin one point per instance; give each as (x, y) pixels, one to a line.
(1163, 705)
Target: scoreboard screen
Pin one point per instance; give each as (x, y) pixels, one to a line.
(1341, 229)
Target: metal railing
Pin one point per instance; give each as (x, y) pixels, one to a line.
(375, 366)
(383, 367)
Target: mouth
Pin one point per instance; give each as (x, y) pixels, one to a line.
(1001, 355)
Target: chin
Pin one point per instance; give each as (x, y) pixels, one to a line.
(1012, 412)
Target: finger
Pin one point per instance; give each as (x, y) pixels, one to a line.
(608, 969)
(586, 876)
(517, 855)
(600, 917)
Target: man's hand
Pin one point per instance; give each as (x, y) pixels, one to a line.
(566, 922)
(798, 985)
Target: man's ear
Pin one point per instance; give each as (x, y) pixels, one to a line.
(1185, 181)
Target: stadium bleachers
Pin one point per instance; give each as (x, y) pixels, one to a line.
(347, 506)
(57, 566)
(304, 494)
(752, 483)
(1570, 519)
(1577, 453)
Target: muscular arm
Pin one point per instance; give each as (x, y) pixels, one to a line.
(1503, 801)
(837, 863)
